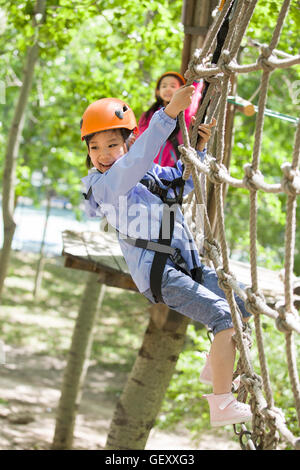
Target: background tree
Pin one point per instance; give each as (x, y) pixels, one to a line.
(14, 138)
(42, 28)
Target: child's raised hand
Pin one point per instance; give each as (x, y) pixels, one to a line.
(181, 100)
(204, 132)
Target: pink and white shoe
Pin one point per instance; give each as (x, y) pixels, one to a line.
(206, 375)
(225, 409)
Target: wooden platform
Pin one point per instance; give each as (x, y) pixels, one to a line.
(100, 252)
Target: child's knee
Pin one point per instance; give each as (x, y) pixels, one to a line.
(221, 325)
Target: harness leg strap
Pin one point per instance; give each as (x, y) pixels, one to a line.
(160, 259)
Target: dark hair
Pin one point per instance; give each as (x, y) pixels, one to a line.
(159, 103)
(88, 161)
(155, 107)
(125, 134)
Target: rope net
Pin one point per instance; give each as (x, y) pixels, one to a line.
(268, 423)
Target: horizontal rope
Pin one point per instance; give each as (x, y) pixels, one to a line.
(252, 180)
(229, 66)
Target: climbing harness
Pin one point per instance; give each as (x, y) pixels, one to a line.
(162, 247)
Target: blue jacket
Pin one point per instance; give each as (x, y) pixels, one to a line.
(132, 209)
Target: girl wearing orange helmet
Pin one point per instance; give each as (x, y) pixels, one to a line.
(166, 86)
(142, 200)
(118, 121)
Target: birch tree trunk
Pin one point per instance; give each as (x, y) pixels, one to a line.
(13, 144)
(148, 381)
(77, 364)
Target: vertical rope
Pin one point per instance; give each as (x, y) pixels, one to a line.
(289, 265)
(267, 420)
(292, 368)
(245, 17)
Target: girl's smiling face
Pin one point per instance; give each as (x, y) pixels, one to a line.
(105, 148)
(167, 88)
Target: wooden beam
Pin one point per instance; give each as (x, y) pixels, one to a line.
(107, 275)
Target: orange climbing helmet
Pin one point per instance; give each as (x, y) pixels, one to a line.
(105, 114)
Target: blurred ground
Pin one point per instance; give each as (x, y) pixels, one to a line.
(30, 390)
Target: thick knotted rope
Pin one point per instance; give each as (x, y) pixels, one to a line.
(268, 421)
(291, 179)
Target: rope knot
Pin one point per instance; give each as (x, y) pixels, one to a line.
(290, 182)
(190, 73)
(251, 303)
(187, 153)
(251, 382)
(224, 279)
(216, 170)
(263, 59)
(211, 246)
(196, 64)
(224, 63)
(252, 177)
(284, 318)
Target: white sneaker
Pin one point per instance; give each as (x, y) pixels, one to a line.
(225, 409)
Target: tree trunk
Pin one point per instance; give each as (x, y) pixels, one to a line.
(148, 381)
(77, 364)
(12, 148)
(40, 264)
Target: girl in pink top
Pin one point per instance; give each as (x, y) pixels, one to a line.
(166, 86)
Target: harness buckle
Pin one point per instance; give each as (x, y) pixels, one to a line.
(177, 258)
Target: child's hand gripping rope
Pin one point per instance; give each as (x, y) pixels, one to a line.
(181, 100)
(204, 133)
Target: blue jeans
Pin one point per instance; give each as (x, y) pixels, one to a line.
(205, 302)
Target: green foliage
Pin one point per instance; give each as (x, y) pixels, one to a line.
(88, 50)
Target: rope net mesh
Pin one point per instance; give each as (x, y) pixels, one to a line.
(268, 423)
